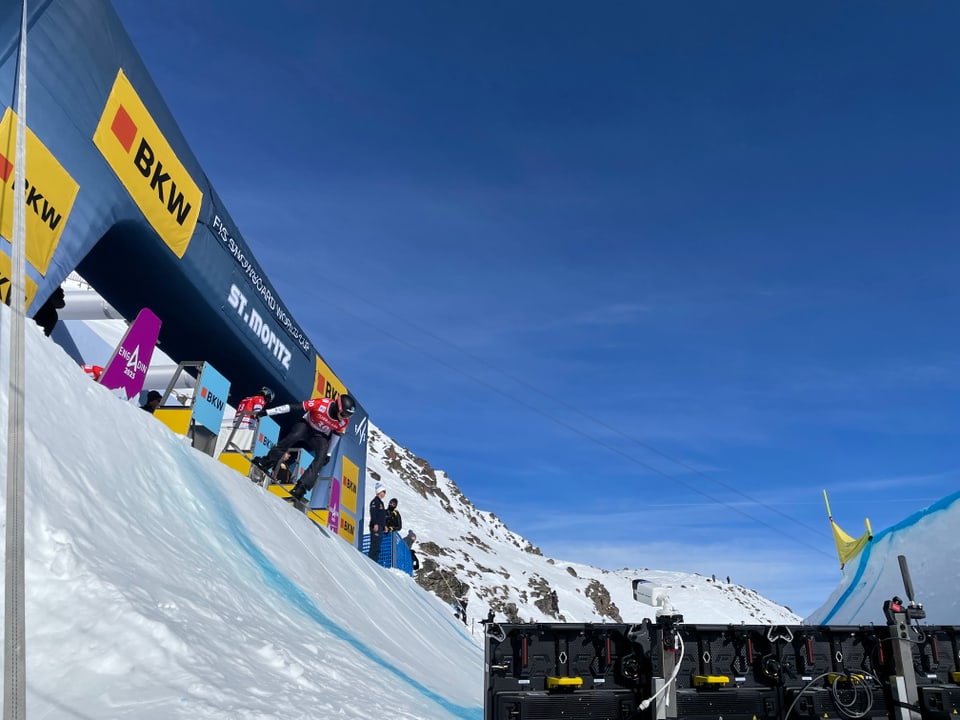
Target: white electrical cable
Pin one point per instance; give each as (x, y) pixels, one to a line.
(673, 677)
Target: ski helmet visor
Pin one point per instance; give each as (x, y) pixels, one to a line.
(346, 406)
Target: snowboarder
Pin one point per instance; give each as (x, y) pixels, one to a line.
(243, 428)
(319, 431)
(249, 407)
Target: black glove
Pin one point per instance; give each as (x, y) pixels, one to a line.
(262, 412)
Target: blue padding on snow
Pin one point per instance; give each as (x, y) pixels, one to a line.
(394, 552)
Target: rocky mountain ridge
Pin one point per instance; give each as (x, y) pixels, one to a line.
(470, 557)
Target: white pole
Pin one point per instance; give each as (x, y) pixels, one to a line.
(15, 665)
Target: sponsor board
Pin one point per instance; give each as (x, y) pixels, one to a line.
(210, 398)
(349, 484)
(267, 434)
(48, 188)
(175, 418)
(6, 281)
(259, 283)
(348, 526)
(259, 326)
(326, 384)
(333, 507)
(131, 142)
(360, 430)
(127, 368)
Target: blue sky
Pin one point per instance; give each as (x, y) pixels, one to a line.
(643, 278)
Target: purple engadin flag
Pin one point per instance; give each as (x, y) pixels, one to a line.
(333, 509)
(127, 368)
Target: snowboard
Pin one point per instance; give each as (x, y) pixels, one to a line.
(283, 491)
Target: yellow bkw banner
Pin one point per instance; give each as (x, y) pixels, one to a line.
(48, 189)
(6, 281)
(325, 383)
(349, 485)
(132, 144)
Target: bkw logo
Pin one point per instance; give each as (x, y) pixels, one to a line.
(137, 151)
(212, 399)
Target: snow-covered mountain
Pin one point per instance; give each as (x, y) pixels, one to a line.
(468, 554)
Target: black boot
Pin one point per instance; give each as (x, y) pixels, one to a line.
(264, 464)
(298, 492)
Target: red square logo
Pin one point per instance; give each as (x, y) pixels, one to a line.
(124, 128)
(6, 167)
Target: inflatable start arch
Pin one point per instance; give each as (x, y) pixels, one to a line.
(114, 192)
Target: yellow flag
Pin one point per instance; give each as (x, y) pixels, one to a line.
(847, 547)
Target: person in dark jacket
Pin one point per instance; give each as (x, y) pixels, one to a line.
(394, 521)
(284, 474)
(47, 316)
(153, 401)
(410, 538)
(378, 520)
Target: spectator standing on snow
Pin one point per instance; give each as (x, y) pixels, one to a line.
(410, 538)
(378, 519)
(394, 522)
(47, 316)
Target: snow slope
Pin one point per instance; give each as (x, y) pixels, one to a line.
(161, 584)
(928, 539)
